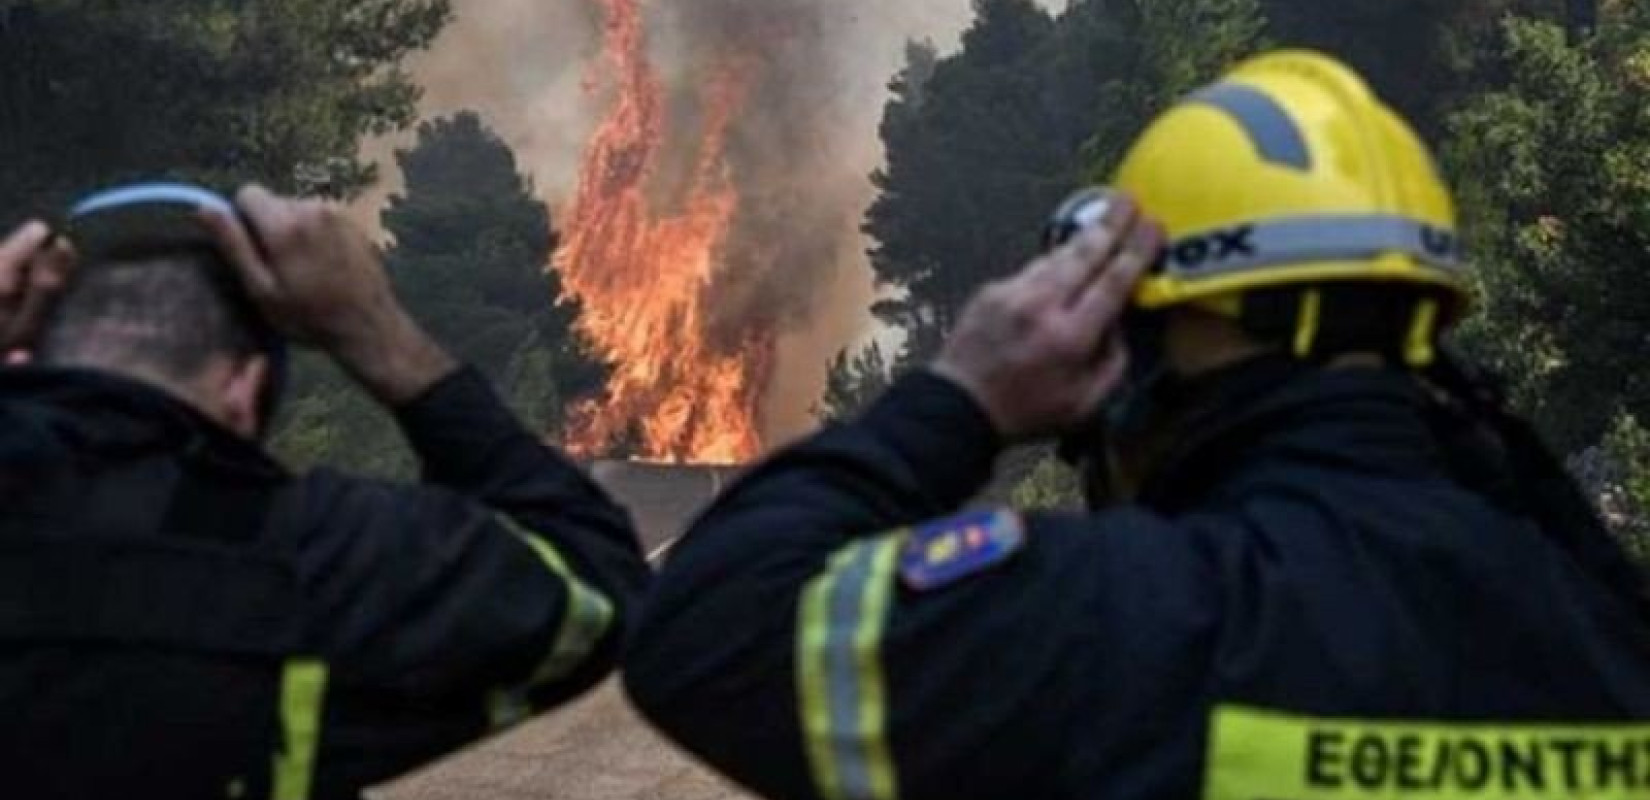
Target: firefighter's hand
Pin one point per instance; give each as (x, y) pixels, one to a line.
(1040, 351)
(321, 281)
(34, 268)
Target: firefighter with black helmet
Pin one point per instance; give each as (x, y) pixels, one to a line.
(1323, 561)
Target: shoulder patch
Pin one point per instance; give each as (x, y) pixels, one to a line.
(940, 553)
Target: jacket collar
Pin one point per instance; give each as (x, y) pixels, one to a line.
(1366, 421)
(102, 412)
(1370, 421)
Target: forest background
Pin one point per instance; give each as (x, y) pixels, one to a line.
(1539, 111)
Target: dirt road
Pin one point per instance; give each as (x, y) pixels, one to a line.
(595, 750)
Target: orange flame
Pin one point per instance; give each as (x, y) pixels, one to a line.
(645, 275)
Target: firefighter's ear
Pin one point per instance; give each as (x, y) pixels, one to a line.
(241, 393)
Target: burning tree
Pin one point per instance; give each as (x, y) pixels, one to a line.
(702, 223)
(645, 274)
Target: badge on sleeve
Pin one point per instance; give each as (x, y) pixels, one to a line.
(941, 553)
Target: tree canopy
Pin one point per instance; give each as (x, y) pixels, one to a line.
(218, 91)
(1557, 195)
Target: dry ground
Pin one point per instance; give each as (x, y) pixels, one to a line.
(594, 750)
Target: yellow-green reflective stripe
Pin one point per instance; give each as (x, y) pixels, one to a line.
(1418, 349)
(303, 690)
(589, 614)
(1307, 322)
(873, 700)
(843, 616)
(1256, 754)
(812, 630)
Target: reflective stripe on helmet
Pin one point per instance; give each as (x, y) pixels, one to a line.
(1240, 174)
(1311, 240)
(181, 194)
(1268, 125)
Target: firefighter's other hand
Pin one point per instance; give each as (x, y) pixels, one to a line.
(34, 268)
(1040, 351)
(320, 281)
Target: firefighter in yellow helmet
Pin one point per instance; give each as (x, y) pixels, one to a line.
(1322, 562)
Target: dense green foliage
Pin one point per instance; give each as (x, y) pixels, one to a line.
(1538, 107)
(1048, 486)
(1560, 207)
(220, 91)
(1556, 156)
(470, 245)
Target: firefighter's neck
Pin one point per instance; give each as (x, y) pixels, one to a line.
(224, 389)
(1198, 343)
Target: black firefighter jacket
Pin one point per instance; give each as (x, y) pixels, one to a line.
(1309, 605)
(180, 618)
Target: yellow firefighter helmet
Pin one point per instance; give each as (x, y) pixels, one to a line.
(1289, 172)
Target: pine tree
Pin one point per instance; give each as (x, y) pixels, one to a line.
(470, 255)
(278, 91)
(854, 381)
(1552, 164)
(1552, 168)
(970, 170)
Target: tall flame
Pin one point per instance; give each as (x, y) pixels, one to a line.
(643, 266)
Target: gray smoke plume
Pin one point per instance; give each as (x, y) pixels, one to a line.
(802, 152)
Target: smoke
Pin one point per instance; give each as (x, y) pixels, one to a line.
(800, 152)
(520, 64)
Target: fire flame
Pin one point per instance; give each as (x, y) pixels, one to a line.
(644, 266)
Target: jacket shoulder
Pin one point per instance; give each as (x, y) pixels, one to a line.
(330, 499)
(1066, 566)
